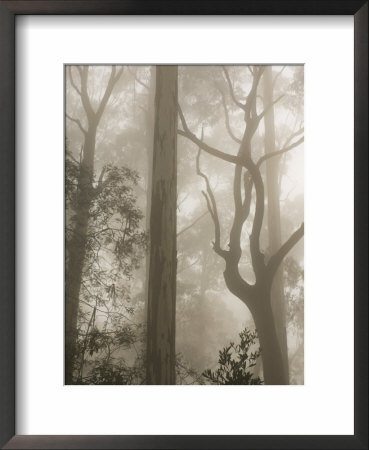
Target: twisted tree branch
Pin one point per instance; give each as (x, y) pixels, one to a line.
(211, 150)
(212, 207)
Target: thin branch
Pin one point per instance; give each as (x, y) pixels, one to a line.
(72, 81)
(100, 183)
(261, 115)
(137, 79)
(277, 76)
(193, 223)
(296, 133)
(212, 207)
(145, 111)
(79, 70)
(251, 116)
(112, 80)
(119, 74)
(208, 204)
(277, 258)
(248, 184)
(211, 150)
(69, 153)
(76, 121)
(227, 122)
(279, 152)
(84, 94)
(182, 269)
(238, 103)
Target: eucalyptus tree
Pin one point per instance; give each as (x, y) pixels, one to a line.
(87, 190)
(161, 306)
(273, 183)
(247, 179)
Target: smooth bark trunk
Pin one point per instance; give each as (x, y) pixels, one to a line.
(259, 303)
(274, 219)
(273, 367)
(163, 253)
(150, 117)
(204, 282)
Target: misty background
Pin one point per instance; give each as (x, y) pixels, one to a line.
(112, 306)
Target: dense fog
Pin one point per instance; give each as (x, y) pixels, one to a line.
(110, 120)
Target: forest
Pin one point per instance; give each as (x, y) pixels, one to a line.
(184, 224)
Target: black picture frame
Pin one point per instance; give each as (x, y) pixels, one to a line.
(8, 11)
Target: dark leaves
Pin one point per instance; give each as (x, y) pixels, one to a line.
(235, 362)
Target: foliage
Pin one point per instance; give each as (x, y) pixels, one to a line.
(112, 374)
(294, 294)
(185, 373)
(235, 362)
(115, 246)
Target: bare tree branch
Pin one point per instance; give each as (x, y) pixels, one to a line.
(145, 111)
(238, 103)
(211, 150)
(277, 258)
(262, 114)
(119, 74)
(277, 76)
(193, 223)
(81, 154)
(227, 122)
(109, 88)
(251, 117)
(69, 153)
(84, 94)
(296, 133)
(72, 81)
(76, 121)
(248, 184)
(279, 152)
(212, 207)
(100, 184)
(137, 79)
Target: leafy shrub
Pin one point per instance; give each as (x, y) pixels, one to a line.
(236, 362)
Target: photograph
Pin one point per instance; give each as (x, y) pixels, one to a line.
(184, 224)
(156, 181)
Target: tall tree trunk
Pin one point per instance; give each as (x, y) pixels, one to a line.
(274, 219)
(163, 253)
(273, 366)
(258, 302)
(77, 251)
(204, 282)
(150, 117)
(77, 246)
